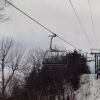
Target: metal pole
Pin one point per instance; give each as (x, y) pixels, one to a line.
(95, 63)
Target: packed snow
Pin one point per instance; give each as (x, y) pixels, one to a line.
(89, 89)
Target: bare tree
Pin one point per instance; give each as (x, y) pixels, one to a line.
(31, 70)
(4, 15)
(33, 61)
(10, 60)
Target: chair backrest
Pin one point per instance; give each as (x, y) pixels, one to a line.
(54, 58)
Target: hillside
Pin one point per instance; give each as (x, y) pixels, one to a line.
(90, 88)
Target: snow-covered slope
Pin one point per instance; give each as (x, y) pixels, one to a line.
(90, 88)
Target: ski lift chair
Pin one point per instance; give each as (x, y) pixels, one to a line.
(54, 57)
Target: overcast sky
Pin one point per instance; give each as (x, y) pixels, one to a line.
(58, 16)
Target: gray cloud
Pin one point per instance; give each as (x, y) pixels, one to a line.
(56, 15)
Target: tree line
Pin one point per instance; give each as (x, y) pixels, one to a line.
(24, 76)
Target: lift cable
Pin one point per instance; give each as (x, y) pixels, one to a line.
(80, 23)
(44, 26)
(92, 22)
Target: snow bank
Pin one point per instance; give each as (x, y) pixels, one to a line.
(90, 88)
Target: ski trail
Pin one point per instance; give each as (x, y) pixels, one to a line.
(90, 88)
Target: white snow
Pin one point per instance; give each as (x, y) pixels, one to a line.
(90, 88)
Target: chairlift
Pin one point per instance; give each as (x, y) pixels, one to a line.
(54, 57)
